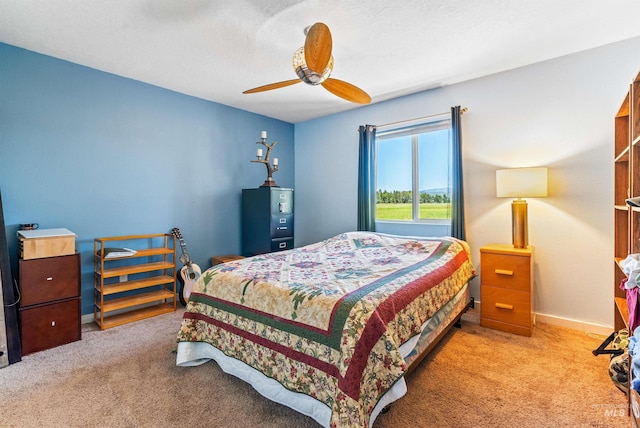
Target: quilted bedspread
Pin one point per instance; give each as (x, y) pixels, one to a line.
(327, 319)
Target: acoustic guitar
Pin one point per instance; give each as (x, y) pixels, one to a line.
(189, 273)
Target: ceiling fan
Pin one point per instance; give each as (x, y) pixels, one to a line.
(313, 64)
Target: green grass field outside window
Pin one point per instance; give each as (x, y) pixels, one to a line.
(430, 211)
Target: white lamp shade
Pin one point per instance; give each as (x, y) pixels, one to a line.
(521, 183)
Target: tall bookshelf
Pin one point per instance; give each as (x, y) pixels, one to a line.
(626, 182)
(633, 227)
(622, 212)
(626, 185)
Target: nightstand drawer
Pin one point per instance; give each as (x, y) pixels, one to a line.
(508, 306)
(49, 279)
(506, 271)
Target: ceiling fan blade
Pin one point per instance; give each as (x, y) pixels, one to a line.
(346, 90)
(272, 86)
(317, 47)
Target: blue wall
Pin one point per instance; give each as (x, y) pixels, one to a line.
(102, 155)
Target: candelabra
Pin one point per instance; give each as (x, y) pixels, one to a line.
(269, 182)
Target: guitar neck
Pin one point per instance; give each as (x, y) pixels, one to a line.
(185, 256)
(183, 247)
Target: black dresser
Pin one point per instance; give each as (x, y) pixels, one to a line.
(267, 220)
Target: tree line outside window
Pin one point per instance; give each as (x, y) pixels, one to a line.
(406, 196)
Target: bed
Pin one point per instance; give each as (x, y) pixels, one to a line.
(332, 328)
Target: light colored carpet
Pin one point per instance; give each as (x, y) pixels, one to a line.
(126, 377)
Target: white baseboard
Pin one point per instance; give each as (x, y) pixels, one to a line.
(590, 328)
(601, 330)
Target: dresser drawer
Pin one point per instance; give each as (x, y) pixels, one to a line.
(49, 279)
(506, 271)
(508, 306)
(46, 326)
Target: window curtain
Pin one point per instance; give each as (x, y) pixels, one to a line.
(457, 194)
(367, 179)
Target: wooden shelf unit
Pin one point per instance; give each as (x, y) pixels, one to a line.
(132, 288)
(626, 171)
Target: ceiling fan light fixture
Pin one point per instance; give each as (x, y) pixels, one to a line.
(307, 75)
(313, 64)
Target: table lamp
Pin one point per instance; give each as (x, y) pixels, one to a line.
(521, 183)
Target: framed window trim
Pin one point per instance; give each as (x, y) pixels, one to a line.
(414, 128)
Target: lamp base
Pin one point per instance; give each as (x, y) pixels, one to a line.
(520, 232)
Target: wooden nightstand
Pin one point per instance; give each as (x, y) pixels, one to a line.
(506, 282)
(223, 259)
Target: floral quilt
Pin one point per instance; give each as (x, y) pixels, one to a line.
(327, 319)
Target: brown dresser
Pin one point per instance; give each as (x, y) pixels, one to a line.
(49, 302)
(506, 282)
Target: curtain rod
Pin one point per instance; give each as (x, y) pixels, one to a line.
(462, 111)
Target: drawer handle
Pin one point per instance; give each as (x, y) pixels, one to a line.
(49, 278)
(504, 272)
(504, 306)
(282, 245)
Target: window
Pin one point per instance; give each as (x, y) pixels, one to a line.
(413, 173)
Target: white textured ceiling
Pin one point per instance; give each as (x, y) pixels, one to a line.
(215, 49)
